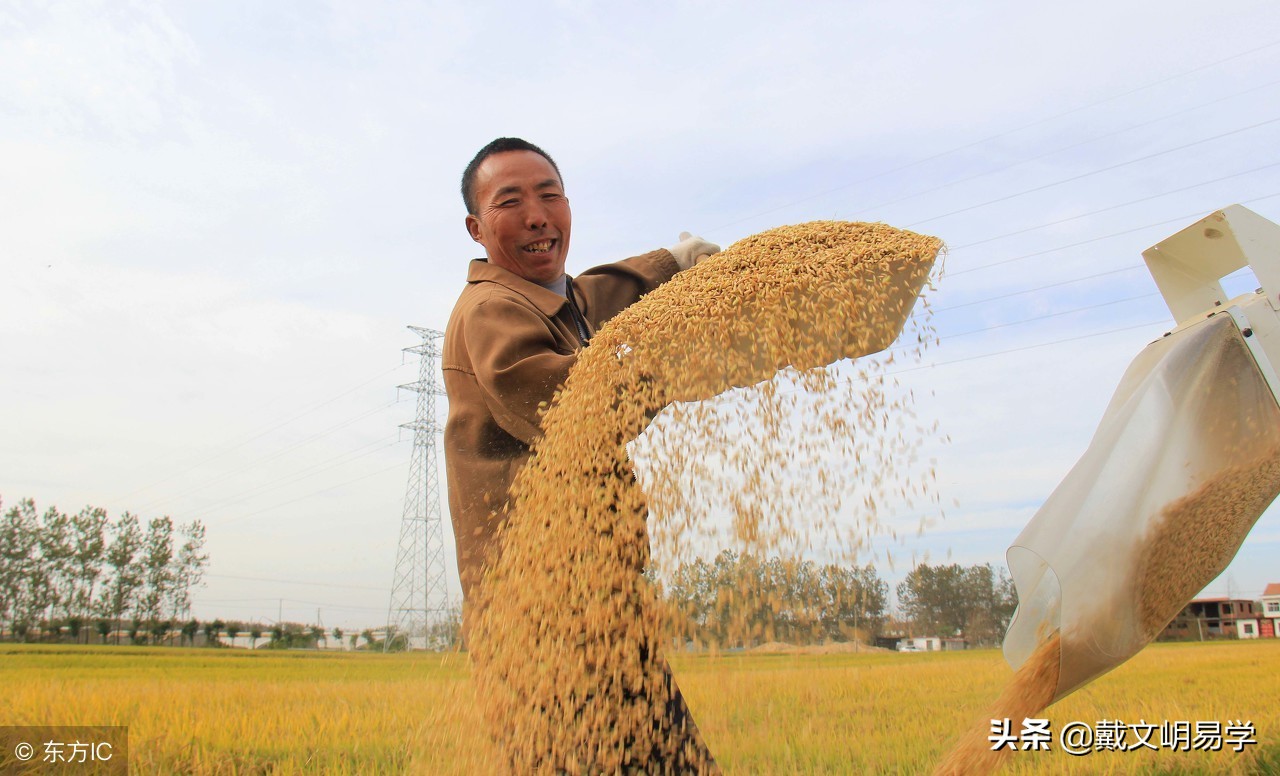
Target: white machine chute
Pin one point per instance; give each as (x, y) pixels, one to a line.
(1184, 461)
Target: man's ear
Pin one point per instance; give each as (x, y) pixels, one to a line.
(473, 227)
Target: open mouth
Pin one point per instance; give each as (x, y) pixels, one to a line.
(541, 246)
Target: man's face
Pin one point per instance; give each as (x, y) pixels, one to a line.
(522, 218)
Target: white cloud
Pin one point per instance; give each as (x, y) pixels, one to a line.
(94, 69)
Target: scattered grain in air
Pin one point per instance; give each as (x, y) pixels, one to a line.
(568, 632)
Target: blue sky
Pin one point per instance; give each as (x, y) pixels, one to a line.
(219, 218)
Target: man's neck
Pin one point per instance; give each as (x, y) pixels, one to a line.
(560, 286)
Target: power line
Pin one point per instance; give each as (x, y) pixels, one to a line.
(1060, 313)
(303, 474)
(269, 457)
(260, 434)
(1098, 171)
(335, 606)
(954, 248)
(1005, 133)
(1164, 321)
(309, 495)
(303, 583)
(1040, 288)
(1068, 147)
(277, 599)
(1177, 219)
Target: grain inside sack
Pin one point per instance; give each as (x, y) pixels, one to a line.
(566, 647)
(1191, 541)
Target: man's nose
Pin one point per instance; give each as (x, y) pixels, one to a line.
(535, 215)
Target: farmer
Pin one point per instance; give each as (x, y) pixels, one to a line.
(517, 328)
(514, 334)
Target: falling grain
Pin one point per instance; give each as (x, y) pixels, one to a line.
(567, 647)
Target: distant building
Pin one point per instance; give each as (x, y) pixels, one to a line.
(1218, 618)
(1270, 602)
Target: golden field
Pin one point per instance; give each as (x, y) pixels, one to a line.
(222, 711)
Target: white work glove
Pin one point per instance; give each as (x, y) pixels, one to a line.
(691, 250)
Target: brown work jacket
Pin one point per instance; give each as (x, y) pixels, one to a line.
(507, 349)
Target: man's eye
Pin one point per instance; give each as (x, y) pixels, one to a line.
(508, 202)
(550, 197)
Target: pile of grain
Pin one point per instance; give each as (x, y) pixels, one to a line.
(1189, 544)
(1199, 534)
(566, 648)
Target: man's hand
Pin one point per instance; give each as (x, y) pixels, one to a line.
(691, 250)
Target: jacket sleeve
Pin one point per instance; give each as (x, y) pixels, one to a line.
(611, 288)
(517, 364)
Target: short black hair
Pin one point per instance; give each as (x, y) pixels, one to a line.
(498, 146)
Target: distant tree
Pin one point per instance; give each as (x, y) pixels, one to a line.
(189, 631)
(22, 580)
(975, 601)
(935, 599)
(354, 640)
(394, 640)
(157, 568)
(992, 600)
(160, 630)
(337, 636)
(740, 600)
(60, 567)
(14, 557)
(124, 577)
(211, 631)
(317, 635)
(447, 633)
(54, 564)
(255, 633)
(74, 624)
(103, 628)
(187, 568)
(88, 554)
(853, 601)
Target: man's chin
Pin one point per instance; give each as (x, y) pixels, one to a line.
(535, 269)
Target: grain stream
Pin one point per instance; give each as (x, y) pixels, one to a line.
(567, 644)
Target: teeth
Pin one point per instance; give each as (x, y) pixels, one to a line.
(538, 247)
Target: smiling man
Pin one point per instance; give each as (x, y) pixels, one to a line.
(517, 328)
(514, 333)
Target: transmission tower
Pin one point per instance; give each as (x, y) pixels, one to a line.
(419, 601)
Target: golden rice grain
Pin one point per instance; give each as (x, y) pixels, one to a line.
(1199, 534)
(566, 646)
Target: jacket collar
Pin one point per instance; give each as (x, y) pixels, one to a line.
(547, 302)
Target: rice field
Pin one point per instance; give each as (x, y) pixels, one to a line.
(206, 711)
